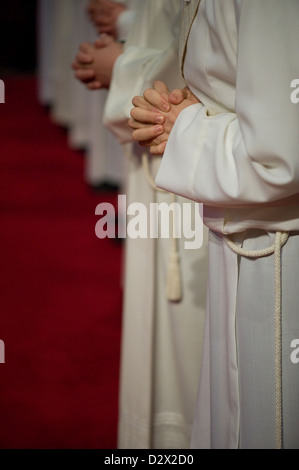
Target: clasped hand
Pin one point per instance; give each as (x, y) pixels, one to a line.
(93, 64)
(104, 14)
(154, 115)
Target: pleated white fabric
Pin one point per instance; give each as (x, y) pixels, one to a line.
(81, 98)
(161, 340)
(45, 51)
(104, 155)
(236, 399)
(63, 54)
(63, 26)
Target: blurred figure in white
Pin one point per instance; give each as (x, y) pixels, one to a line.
(63, 25)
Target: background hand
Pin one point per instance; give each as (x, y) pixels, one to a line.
(104, 14)
(94, 64)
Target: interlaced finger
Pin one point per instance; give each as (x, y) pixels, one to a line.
(147, 116)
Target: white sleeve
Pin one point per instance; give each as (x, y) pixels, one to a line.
(151, 53)
(124, 23)
(250, 156)
(133, 72)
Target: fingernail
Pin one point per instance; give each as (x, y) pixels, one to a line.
(165, 107)
(159, 128)
(159, 118)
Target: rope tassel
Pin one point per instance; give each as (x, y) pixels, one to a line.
(174, 289)
(174, 277)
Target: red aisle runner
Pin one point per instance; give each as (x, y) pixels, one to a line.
(60, 295)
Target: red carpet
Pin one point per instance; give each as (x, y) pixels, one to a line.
(60, 296)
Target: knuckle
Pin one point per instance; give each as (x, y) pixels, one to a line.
(131, 123)
(133, 113)
(147, 93)
(134, 136)
(135, 101)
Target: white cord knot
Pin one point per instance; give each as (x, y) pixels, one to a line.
(280, 240)
(174, 277)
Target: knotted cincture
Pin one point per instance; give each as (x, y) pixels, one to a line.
(174, 281)
(280, 240)
(174, 276)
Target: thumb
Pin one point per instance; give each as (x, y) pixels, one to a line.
(161, 88)
(177, 96)
(103, 40)
(85, 47)
(84, 59)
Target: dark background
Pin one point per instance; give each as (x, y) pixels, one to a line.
(18, 36)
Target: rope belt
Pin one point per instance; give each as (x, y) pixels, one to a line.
(280, 240)
(174, 276)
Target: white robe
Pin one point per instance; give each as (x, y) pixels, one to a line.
(63, 56)
(63, 25)
(45, 53)
(104, 155)
(161, 340)
(237, 152)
